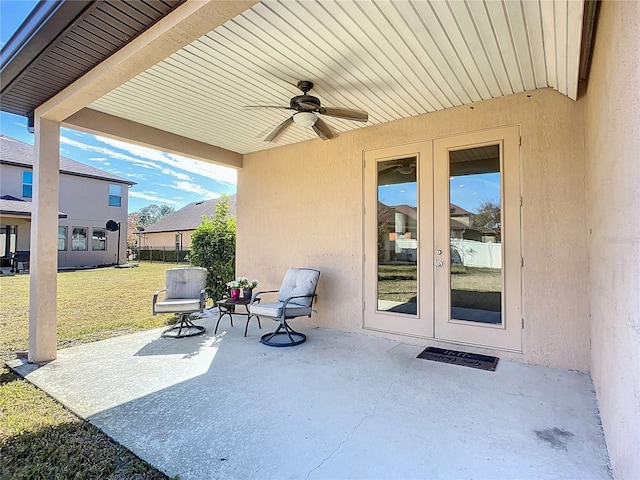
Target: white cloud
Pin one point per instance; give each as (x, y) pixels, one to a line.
(142, 163)
(181, 176)
(93, 148)
(98, 159)
(137, 176)
(215, 172)
(121, 156)
(194, 188)
(152, 198)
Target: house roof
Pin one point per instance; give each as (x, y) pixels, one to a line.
(393, 59)
(15, 152)
(14, 206)
(189, 217)
(409, 211)
(456, 225)
(456, 211)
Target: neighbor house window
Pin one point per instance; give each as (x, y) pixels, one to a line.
(99, 239)
(62, 239)
(27, 183)
(115, 195)
(79, 238)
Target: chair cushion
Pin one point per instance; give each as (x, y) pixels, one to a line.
(185, 282)
(274, 310)
(178, 305)
(299, 281)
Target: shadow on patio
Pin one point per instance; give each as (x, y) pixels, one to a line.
(341, 406)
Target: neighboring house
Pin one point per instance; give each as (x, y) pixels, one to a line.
(174, 231)
(551, 86)
(88, 199)
(461, 224)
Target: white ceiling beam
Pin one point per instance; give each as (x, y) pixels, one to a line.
(98, 123)
(574, 42)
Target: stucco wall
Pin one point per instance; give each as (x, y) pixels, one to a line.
(11, 180)
(613, 197)
(165, 239)
(301, 205)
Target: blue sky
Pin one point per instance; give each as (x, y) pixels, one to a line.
(467, 191)
(161, 178)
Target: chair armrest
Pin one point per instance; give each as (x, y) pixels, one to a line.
(255, 295)
(312, 296)
(285, 303)
(155, 299)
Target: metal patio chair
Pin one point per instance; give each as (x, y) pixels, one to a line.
(294, 300)
(185, 295)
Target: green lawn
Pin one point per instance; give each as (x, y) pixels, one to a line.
(40, 439)
(397, 282)
(471, 287)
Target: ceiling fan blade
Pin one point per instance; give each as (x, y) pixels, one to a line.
(279, 129)
(345, 113)
(268, 106)
(323, 130)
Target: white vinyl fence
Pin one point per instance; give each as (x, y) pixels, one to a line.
(476, 254)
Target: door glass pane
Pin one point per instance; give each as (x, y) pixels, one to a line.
(476, 236)
(398, 236)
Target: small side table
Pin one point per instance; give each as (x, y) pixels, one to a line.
(228, 306)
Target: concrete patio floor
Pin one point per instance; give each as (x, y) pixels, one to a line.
(340, 406)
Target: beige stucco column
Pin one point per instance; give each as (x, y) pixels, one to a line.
(44, 242)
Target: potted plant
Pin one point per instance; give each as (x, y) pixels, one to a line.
(234, 289)
(247, 287)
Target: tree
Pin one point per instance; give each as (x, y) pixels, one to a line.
(152, 213)
(488, 216)
(132, 230)
(213, 246)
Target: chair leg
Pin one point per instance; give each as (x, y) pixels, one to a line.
(295, 338)
(246, 327)
(184, 324)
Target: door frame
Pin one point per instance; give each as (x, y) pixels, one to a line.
(507, 335)
(432, 156)
(421, 324)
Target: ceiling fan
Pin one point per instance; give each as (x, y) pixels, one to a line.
(307, 108)
(403, 167)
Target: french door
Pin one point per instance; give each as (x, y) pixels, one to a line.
(442, 239)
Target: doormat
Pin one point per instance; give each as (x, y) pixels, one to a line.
(473, 360)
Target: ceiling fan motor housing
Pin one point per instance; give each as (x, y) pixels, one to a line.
(303, 103)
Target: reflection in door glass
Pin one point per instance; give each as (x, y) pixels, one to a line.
(476, 235)
(398, 236)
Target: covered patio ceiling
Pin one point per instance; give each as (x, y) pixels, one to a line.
(393, 59)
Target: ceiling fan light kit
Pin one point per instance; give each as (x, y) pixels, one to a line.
(305, 119)
(405, 169)
(308, 108)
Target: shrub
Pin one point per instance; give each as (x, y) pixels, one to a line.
(213, 246)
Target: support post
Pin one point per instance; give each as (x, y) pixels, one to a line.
(43, 287)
